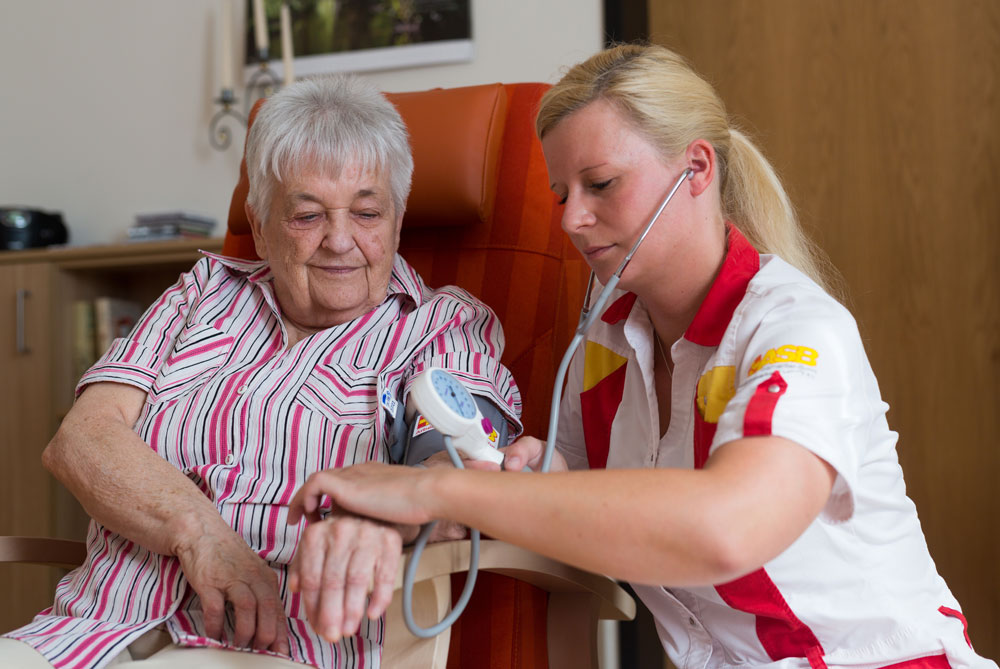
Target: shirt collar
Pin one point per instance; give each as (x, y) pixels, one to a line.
(254, 270)
(404, 279)
(740, 265)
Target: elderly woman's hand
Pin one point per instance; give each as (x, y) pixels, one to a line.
(222, 568)
(338, 562)
(342, 558)
(529, 452)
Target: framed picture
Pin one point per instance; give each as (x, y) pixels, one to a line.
(360, 35)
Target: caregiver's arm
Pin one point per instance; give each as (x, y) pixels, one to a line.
(131, 490)
(668, 526)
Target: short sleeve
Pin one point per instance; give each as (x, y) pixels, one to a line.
(135, 360)
(469, 345)
(802, 374)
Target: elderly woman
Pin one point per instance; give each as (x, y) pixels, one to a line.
(189, 437)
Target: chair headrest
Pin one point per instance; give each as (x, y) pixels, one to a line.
(455, 135)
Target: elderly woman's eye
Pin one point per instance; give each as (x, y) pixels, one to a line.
(307, 217)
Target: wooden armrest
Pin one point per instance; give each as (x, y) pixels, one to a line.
(577, 600)
(43, 550)
(451, 557)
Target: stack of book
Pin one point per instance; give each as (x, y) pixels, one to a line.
(169, 225)
(96, 324)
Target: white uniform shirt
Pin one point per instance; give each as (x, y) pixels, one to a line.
(769, 353)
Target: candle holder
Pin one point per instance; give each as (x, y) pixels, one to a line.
(219, 134)
(263, 83)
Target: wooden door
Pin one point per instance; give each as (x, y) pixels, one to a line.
(25, 429)
(883, 117)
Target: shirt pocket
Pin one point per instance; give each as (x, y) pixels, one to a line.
(344, 394)
(198, 354)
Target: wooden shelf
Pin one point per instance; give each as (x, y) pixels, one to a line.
(115, 255)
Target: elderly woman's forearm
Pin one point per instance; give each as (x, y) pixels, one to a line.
(120, 482)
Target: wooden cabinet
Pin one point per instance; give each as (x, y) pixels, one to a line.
(37, 378)
(25, 426)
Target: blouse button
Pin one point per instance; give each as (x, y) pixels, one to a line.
(241, 390)
(773, 388)
(230, 459)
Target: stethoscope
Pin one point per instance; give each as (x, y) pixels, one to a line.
(588, 314)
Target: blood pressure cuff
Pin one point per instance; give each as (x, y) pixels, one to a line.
(418, 441)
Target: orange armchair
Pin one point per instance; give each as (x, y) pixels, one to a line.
(481, 216)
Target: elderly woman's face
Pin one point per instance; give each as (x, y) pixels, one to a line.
(330, 244)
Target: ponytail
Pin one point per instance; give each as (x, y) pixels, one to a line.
(672, 106)
(754, 200)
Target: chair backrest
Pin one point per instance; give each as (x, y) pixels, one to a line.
(481, 216)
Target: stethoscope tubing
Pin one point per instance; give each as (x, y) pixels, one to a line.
(588, 314)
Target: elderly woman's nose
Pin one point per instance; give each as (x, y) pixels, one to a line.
(338, 235)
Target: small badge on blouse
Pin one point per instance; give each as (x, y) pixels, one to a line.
(389, 403)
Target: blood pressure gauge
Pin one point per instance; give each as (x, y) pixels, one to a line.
(446, 404)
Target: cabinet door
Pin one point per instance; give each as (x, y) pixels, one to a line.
(26, 425)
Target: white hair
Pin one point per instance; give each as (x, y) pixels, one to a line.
(328, 124)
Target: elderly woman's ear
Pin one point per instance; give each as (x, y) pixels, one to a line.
(258, 239)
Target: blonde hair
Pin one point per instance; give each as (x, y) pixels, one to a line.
(666, 101)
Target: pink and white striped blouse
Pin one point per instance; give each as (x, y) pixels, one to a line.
(248, 421)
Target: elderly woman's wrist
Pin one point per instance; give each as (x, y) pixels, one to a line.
(185, 530)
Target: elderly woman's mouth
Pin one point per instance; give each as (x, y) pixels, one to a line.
(336, 269)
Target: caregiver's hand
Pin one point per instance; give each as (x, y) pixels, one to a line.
(529, 452)
(394, 493)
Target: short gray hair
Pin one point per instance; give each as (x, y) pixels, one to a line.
(327, 123)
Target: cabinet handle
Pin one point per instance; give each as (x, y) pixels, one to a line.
(22, 295)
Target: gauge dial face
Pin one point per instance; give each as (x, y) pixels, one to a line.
(453, 394)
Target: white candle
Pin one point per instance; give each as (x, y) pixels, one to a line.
(226, 20)
(287, 51)
(260, 24)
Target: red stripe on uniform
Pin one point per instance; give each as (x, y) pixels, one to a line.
(930, 662)
(704, 433)
(779, 630)
(958, 614)
(760, 409)
(598, 406)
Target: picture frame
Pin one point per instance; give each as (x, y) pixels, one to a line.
(360, 35)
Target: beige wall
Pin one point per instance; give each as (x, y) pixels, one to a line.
(105, 104)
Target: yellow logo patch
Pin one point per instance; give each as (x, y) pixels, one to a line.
(599, 363)
(802, 355)
(715, 388)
